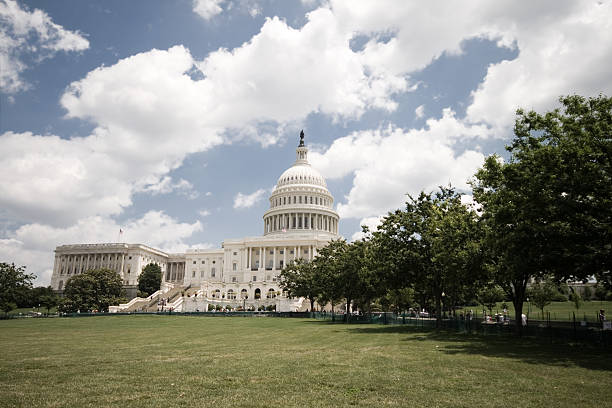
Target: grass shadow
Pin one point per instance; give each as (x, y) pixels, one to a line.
(527, 349)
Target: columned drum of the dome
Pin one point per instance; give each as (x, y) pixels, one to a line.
(301, 202)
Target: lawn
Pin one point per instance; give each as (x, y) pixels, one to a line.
(558, 310)
(192, 361)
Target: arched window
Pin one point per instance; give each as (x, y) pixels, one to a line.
(231, 294)
(60, 285)
(244, 294)
(271, 294)
(257, 293)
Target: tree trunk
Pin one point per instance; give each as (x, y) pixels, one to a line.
(438, 311)
(312, 304)
(517, 300)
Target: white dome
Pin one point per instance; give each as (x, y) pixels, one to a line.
(301, 174)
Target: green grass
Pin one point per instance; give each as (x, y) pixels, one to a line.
(180, 361)
(558, 310)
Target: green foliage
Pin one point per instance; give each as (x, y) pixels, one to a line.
(490, 295)
(542, 294)
(433, 246)
(149, 280)
(93, 290)
(298, 278)
(14, 281)
(576, 299)
(547, 210)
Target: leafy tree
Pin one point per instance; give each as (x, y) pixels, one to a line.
(13, 281)
(576, 299)
(49, 301)
(548, 210)
(298, 279)
(542, 294)
(93, 290)
(432, 246)
(149, 280)
(489, 296)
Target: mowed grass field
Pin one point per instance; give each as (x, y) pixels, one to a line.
(192, 361)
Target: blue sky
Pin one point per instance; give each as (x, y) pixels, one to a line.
(172, 120)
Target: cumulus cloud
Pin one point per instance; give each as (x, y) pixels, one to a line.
(33, 35)
(249, 200)
(33, 244)
(419, 112)
(564, 46)
(204, 213)
(388, 163)
(167, 185)
(207, 9)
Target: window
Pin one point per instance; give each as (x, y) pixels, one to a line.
(203, 262)
(310, 200)
(234, 279)
(234, 266)
(300, 199)
(293, 199)
(202, 274)
(284, 200)
(128, 271)
(212, 273)
(193, 274)
(213, 261)
(291, 252)
(235, 253)
(271, 252)
(194, 262)
(282, 251)
(130, 257)
(254, 278)
(305, 251)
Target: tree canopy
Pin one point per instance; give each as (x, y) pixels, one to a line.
(13, 281)
(95, 289)
(149, 280)
(548, 210)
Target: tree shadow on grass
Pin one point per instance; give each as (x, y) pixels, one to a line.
(526, 349)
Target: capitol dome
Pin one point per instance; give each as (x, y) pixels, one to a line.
(301, 202)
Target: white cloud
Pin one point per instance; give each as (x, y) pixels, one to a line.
(387, 164)
(370, 222)
(564, 46)
(249, 200)
(166, 185)
(204, 213)
(33, 244)
(25, 33)
(419, 112)
(207, 9)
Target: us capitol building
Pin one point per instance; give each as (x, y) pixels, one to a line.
(242, 273)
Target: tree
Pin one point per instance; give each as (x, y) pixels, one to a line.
(13, 281)
(298, 279)
(49, 301)
(542, 294)
(548, 210)
(92, 290)
(489, 296)
(149, 280)
(576, 299)
(432, 246)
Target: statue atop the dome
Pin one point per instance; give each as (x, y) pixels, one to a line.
(301, 138)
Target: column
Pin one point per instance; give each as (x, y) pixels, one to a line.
(263, 259)
(274, 259)
(122, 264)
(250, 260)
(294, 253)
(284, 256)
(298, 251)
(303, 225)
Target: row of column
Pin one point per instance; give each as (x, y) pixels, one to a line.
(263, 252)
(175, 272)
(301, 221)
(82, 263)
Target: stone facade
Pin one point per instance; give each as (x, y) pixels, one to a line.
(300, 220)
